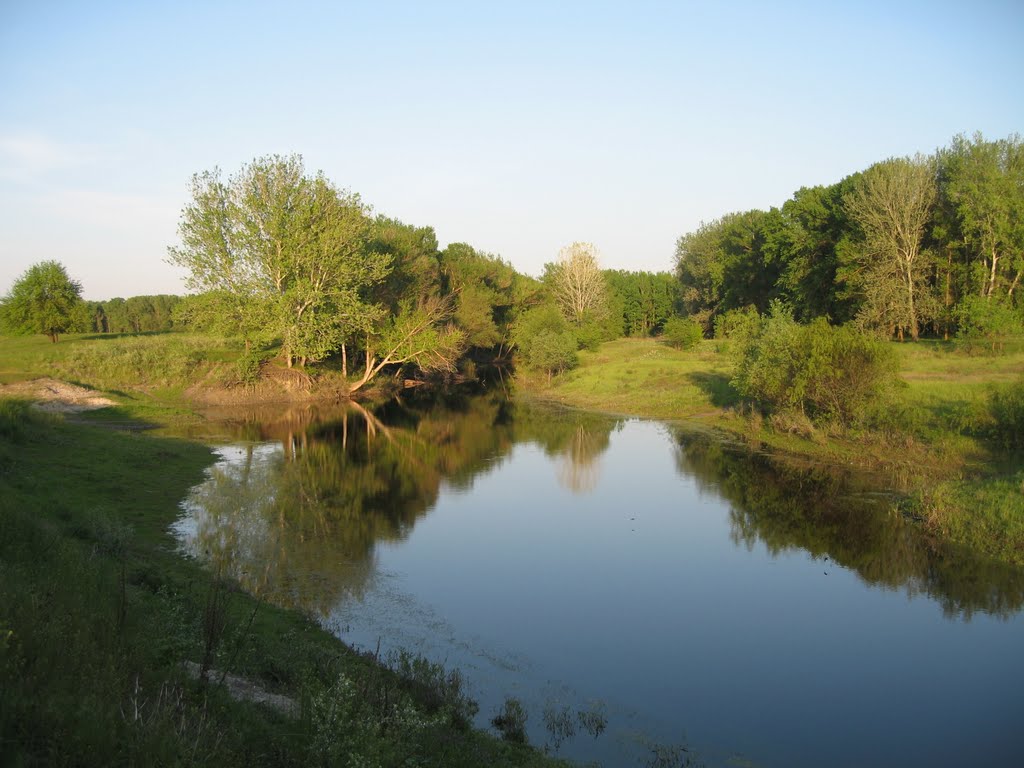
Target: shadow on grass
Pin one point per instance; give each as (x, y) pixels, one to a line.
(716, 386)
(122, 335)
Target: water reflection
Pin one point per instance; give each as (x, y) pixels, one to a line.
(296, 515)
(836, 517)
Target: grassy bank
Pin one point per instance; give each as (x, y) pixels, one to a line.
(936, 438)
(98, 615)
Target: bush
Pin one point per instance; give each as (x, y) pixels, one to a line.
(985, 322)
(683, 332)
(545, 341)
(1007, 408)
(738, 324)
(510, 722)
(828, 373)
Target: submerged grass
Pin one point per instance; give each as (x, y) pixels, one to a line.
(948, 436)
(98, 614)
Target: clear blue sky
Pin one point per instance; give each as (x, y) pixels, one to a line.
(516, 127)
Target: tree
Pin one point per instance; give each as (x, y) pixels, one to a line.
(983, 182)
(42, 300)
(578, 284)
(892, 204)
(284, 253)
(545, 341)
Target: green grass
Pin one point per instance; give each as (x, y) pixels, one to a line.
(648, 378)
(98, 612)
(936, 438)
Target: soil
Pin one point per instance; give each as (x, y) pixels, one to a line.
(55, 396)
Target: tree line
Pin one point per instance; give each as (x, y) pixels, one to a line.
(914, 245)
(284, 259)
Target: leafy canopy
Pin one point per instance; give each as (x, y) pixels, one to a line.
(43, 300)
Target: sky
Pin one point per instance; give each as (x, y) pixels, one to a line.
(516, 127)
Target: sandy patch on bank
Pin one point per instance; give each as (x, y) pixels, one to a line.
(55, 396)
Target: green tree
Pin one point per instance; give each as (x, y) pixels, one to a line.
(272, 242)
(545, 340)
(43, 300)
(983, 182)
(892, 204)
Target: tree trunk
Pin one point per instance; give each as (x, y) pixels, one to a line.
(992, 275)
(912, 313)
(344, 361)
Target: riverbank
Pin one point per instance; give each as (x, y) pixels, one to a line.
(932, 441)
(103, 625)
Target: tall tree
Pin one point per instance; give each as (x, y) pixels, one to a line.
(578, 284)
(283, 252)
(892, 204)
(42, 300)
(983, 182)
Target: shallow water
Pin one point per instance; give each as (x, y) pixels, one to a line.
(696, 594)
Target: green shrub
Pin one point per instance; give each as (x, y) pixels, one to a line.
(828, 373)
(510, 722)
(544, 341)
(985, 322)
(738, 324)
(683, 332)
(1007, 408)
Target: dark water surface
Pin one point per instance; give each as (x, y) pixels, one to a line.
(697, 594)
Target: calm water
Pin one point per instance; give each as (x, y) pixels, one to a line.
(699, 596)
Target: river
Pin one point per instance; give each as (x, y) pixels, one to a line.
(710, 603)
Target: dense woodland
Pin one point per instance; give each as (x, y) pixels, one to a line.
(925, 245)
(287, 261)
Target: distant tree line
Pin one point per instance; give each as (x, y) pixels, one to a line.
(930, 245)
(137, 314)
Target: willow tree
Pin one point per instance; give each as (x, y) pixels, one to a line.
(281, 254)
(891, 203)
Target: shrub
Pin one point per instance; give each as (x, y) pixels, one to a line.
(1007, 408)
(828, 373)
(738, 324)
(510, 722)
(545, 341)
(985, 322)
(683, 332)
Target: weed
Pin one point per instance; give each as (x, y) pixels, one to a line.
(510, 721)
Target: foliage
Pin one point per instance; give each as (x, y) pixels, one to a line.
(283, 253)
(644, 300)
(828, 373)
(892, 203)
(486, 289)
(43, 300)
(897, 246)
(683, 333)
(738, 325)
(577, 283)
(986, 321)
(510, 721)
(1007, 408)
(545, 341)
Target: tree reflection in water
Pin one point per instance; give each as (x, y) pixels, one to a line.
(296, 520)
(296, 513)
(836, 516)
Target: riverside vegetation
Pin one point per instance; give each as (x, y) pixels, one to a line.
(778, 327)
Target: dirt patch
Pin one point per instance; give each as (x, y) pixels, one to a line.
(55, 396)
